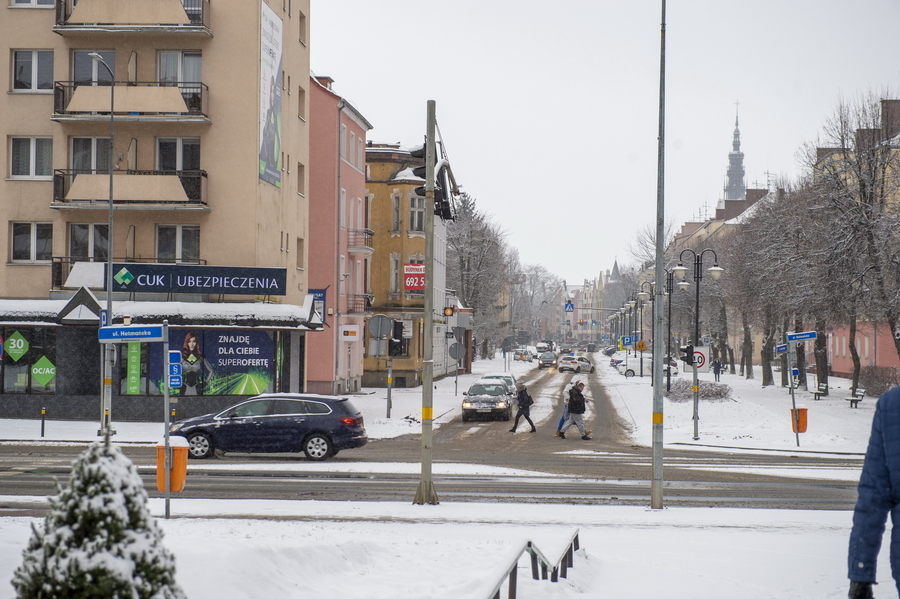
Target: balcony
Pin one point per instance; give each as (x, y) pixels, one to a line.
(132, 190)
(358, 304)
(135, 101)
(92, 17)
(359, 241)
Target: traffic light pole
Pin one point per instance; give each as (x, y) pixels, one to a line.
(426, 492)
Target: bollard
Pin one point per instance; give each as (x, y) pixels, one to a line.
(43, 413)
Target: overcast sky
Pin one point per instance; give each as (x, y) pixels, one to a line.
(549, 111)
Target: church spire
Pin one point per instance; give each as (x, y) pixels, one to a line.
(734, 182)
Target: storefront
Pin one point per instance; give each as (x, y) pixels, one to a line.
(51, 356)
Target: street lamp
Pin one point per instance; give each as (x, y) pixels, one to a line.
(670, 279)
(643, 296)
(109, 349)
(680, 271)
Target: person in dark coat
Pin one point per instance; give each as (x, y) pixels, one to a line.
(717, 368)
(524, 401)
(878, 496)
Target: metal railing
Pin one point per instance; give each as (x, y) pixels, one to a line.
(194, 184)
(557, 568)
(61, 266)
(195, 94)
(358, 304)
(360, 239)
(196, 10)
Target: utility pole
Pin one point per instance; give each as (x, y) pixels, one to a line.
(426, 492)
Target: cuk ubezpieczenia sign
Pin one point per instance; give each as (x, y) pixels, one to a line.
(197, 278)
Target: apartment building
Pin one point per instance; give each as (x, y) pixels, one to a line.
(206, 105)
(340, 246)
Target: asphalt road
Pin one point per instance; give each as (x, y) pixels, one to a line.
(605, 470)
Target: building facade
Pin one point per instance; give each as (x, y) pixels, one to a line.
(207, 115)
(397, 217)
(340, 239)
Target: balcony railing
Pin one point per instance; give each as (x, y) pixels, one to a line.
(360, 240)
(357, 304)
(92, 270)
(133, 100)
(166, 15)
(131, 188)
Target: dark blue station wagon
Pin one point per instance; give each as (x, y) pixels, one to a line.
(317, 425)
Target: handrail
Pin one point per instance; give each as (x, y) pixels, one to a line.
(194, 93)
(558, 567)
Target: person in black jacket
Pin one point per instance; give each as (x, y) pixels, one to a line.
(576, 412)
(525, 402)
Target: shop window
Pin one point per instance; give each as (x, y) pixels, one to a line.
(29, 361)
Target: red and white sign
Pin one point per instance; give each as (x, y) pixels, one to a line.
(414, 277)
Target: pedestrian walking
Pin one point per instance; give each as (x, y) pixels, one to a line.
(565, 413)
(524, 401)
(717, 368)
(576, 412)
(877, 497)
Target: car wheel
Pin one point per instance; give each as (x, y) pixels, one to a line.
(629, 373)
(201, 446)
(317, 447)
(592, 370)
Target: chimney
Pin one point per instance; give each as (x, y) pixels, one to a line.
(890, 118)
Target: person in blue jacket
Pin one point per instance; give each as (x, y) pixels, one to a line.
(878, 496)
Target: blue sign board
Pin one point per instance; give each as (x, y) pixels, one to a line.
(780, 349)
(801, 336)
(104, 318)
(125, 334)
(626, 340)
(570, 307)
(198, 279)
(174, 381)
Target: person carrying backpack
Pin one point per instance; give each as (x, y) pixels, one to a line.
(576, 412)
(525, 402)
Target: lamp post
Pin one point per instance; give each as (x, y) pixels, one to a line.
(670, 282)
(643, 296)
(680, 271)
(109, 349)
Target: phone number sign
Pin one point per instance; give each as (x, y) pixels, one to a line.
(414, 277)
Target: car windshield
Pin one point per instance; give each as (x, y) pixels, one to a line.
(487, 390)
(548, 356)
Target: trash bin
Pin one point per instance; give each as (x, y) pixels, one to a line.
(179, 447)
(798, 420)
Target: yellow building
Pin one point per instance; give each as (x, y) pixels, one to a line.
(397, 217)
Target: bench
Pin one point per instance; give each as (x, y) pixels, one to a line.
(857, 396)
(821, 392)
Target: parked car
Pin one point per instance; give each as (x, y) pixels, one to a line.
(317, 425)
(591, 347)
(487, 397)
(547, 359)
(509, 379)
(633, 367)
(523, 353)
(616, 358)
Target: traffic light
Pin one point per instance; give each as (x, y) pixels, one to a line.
(687, 354)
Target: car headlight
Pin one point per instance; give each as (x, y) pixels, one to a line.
(467, 404)
(175, 427)
(501, 404)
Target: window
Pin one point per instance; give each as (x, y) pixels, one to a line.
(37, 3)
(352, 148)
(360, 154)
(395, 213)
(416, 213)
(178, 243)
(343, 280)
(184, 70)
(302, 19)
(33, 369)
(90, 155)
(342, 209)
(395, 274)
(301, 179)
(343, 141)
(87, 71)
(88, 241)
(31, 158)
(178, 154)
(301, 103)
(32, 70)
(32, 242)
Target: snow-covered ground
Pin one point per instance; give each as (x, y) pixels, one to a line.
(261, 549)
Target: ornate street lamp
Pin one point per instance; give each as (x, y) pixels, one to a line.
(680, 271)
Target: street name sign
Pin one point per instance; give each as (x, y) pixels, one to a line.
(801, 336)
(124, 334)
(780, 349)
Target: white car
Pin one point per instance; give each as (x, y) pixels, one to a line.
(633, 367)
(575, 364)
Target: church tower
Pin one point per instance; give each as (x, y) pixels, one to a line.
(734, 180)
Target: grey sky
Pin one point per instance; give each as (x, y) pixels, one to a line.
(549, 110)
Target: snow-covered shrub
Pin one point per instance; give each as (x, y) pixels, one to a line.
(683, 390)
(99, 540)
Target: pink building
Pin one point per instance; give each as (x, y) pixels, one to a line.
(874, 344)
(340, 242)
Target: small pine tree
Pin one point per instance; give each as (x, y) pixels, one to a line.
(99, 540)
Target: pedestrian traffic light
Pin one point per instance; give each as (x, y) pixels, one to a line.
(687, 354)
